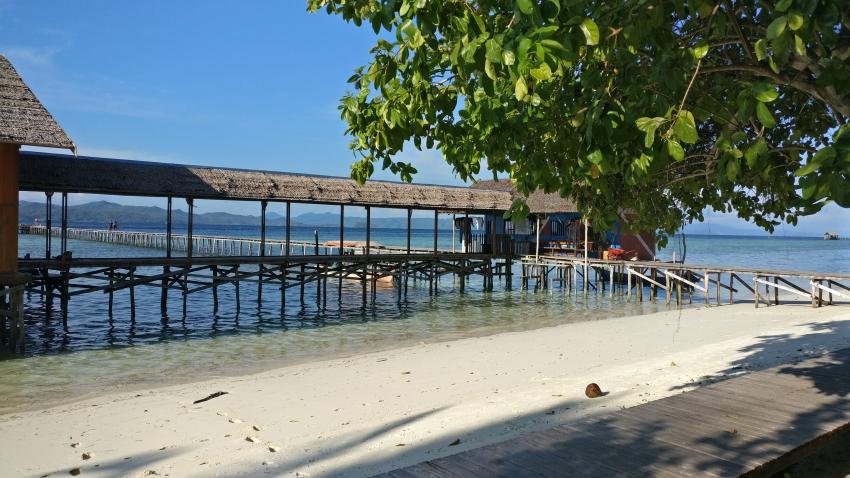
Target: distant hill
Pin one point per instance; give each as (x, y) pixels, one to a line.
(102, 212)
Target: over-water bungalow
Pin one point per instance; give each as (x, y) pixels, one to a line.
(556, 227)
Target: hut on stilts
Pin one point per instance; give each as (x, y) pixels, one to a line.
(23, 121)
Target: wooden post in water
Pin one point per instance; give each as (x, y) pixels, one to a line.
(367, 252)
(288, 223)
(163, 299)
(63, 235)
(263, 206)
(236, 284)
(341, 249)
(432, 284)
(132, 278)
(189, 246)
(48, 216)
(407, 249)
(466, 234)
(214, 270)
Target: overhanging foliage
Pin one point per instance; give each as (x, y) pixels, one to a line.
(665, 108)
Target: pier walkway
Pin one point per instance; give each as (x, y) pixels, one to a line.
(756, 424)
(216, 245)
(673, 280)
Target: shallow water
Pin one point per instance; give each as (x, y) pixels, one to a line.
(97, 352)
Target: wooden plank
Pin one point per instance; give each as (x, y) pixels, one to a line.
(597, 447)
(732, 444)
(761, 421)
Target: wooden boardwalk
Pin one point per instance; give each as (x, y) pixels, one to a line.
(628, 279)
(752, 425)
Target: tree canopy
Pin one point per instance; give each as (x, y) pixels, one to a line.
(664, 108)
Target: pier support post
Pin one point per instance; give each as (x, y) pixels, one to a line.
(288, 223)
(163, 299)
(189, 241)
(48, 220)
(63, 235)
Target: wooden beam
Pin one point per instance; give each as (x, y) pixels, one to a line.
(682, 279)
(780, 286)
(632, 271)
(831, 291)
(368, 229)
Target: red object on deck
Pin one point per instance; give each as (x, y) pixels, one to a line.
(617, 254)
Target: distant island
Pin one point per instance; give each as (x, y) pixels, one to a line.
(102, 212)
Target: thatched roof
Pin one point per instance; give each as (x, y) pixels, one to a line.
(538, 202)
(23, 119)
(60, 172)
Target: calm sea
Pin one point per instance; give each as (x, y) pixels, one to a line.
(100, 352)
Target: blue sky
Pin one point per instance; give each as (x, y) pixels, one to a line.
(226, 83)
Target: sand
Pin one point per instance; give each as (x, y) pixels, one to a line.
(374, 412)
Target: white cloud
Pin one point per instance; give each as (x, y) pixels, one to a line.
(31, 56)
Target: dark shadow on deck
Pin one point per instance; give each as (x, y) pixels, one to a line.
(754, 424)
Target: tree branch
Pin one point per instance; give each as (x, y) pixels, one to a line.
(836, 104)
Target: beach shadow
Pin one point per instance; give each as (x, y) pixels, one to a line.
(637, 442)
(443, 444)
(770, 350)
(137, 464)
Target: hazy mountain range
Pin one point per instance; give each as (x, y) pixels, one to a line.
(102, 212)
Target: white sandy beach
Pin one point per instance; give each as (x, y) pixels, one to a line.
(374, 412)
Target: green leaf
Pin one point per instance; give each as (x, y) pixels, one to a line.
(700, 50)
(732, 169)
(494, 50)
(754, 152)
(525, 6)
(489, 70)
(809, 168)
(776, 27)
(520, 89)
(772, 64)
(795, 20)
(765, 91)
(590, 30)
(765, 116)
(685, 127)
(542, 73)
(644, 124)
(649, 126)
(595, 156)
(783, 5)
(761, 50)
(799, 46)
(508, 57)
(675, 149)
(823, 157)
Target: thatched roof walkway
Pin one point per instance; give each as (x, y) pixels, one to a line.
(65, 173)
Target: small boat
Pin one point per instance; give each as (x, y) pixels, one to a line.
(830, 236)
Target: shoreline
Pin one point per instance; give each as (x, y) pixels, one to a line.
(368, 413)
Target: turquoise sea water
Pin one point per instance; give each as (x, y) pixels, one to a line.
(98, 352)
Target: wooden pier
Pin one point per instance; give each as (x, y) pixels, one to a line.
(756, 424)
(195, 263)
(658, 280)
(214, 245)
